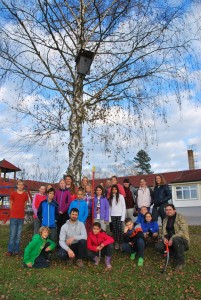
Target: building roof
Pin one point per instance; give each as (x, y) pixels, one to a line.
(170, 177)
(7, 167)
(188, 176)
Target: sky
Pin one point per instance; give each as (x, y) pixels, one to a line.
(167, 146)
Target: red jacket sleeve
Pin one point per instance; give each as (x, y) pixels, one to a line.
(107, 239)
(90, 246)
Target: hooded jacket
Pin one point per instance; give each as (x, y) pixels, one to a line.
(34, 248)
(81, 205)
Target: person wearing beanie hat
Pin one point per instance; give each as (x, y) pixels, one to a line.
(129, 198)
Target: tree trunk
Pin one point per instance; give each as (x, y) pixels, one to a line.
(75, 146)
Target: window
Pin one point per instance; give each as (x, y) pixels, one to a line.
(186, 192)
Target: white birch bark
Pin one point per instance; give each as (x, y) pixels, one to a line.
(75, 146)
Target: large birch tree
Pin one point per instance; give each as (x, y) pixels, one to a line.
(140, 54)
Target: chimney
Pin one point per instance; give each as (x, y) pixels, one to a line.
(191, 161)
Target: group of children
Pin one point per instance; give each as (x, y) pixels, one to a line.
(52, 209)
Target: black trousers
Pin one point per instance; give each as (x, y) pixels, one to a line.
(106, 251)
(61, 221)
(159, 211)
(78, 248)
(177, 249)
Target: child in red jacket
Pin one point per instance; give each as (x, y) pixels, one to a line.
(99, 244)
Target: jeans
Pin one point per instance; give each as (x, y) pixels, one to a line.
(15, 235)
(138, 247)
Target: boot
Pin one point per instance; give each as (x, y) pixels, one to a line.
(96, 260)
(108, 263)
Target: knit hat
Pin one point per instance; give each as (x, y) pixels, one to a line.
(126, 180)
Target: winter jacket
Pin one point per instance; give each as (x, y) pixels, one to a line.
(68, 230)
(180, 228)
(81, 205)
(34, 248)
(48, 213)
(132, 235)
(140, 219)
(63, 198)
(152, 226)
(162, 194)
(104, 208)
(38, 198)
(95, 240)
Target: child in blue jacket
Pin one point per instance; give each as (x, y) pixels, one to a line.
(141, 215)
(48, 214)
(81, 205)
(150, 227)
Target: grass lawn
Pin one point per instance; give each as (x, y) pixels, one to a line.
(125, 281)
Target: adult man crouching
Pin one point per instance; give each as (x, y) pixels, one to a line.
(175, 232)
(72, 239)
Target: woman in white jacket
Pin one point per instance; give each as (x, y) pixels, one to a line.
(117, 214)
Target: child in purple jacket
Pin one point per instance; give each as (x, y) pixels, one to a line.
(150, 227)
(101, 207)
(63, 198)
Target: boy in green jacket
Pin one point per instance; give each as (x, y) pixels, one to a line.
(35, 254)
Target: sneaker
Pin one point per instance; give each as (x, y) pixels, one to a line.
(116, 247)
(140, 262)
(8, 254)
(96, 260)
(80, 263)
(133, 255)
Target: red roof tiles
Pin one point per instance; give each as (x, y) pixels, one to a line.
(6, 166)
(170, 177)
